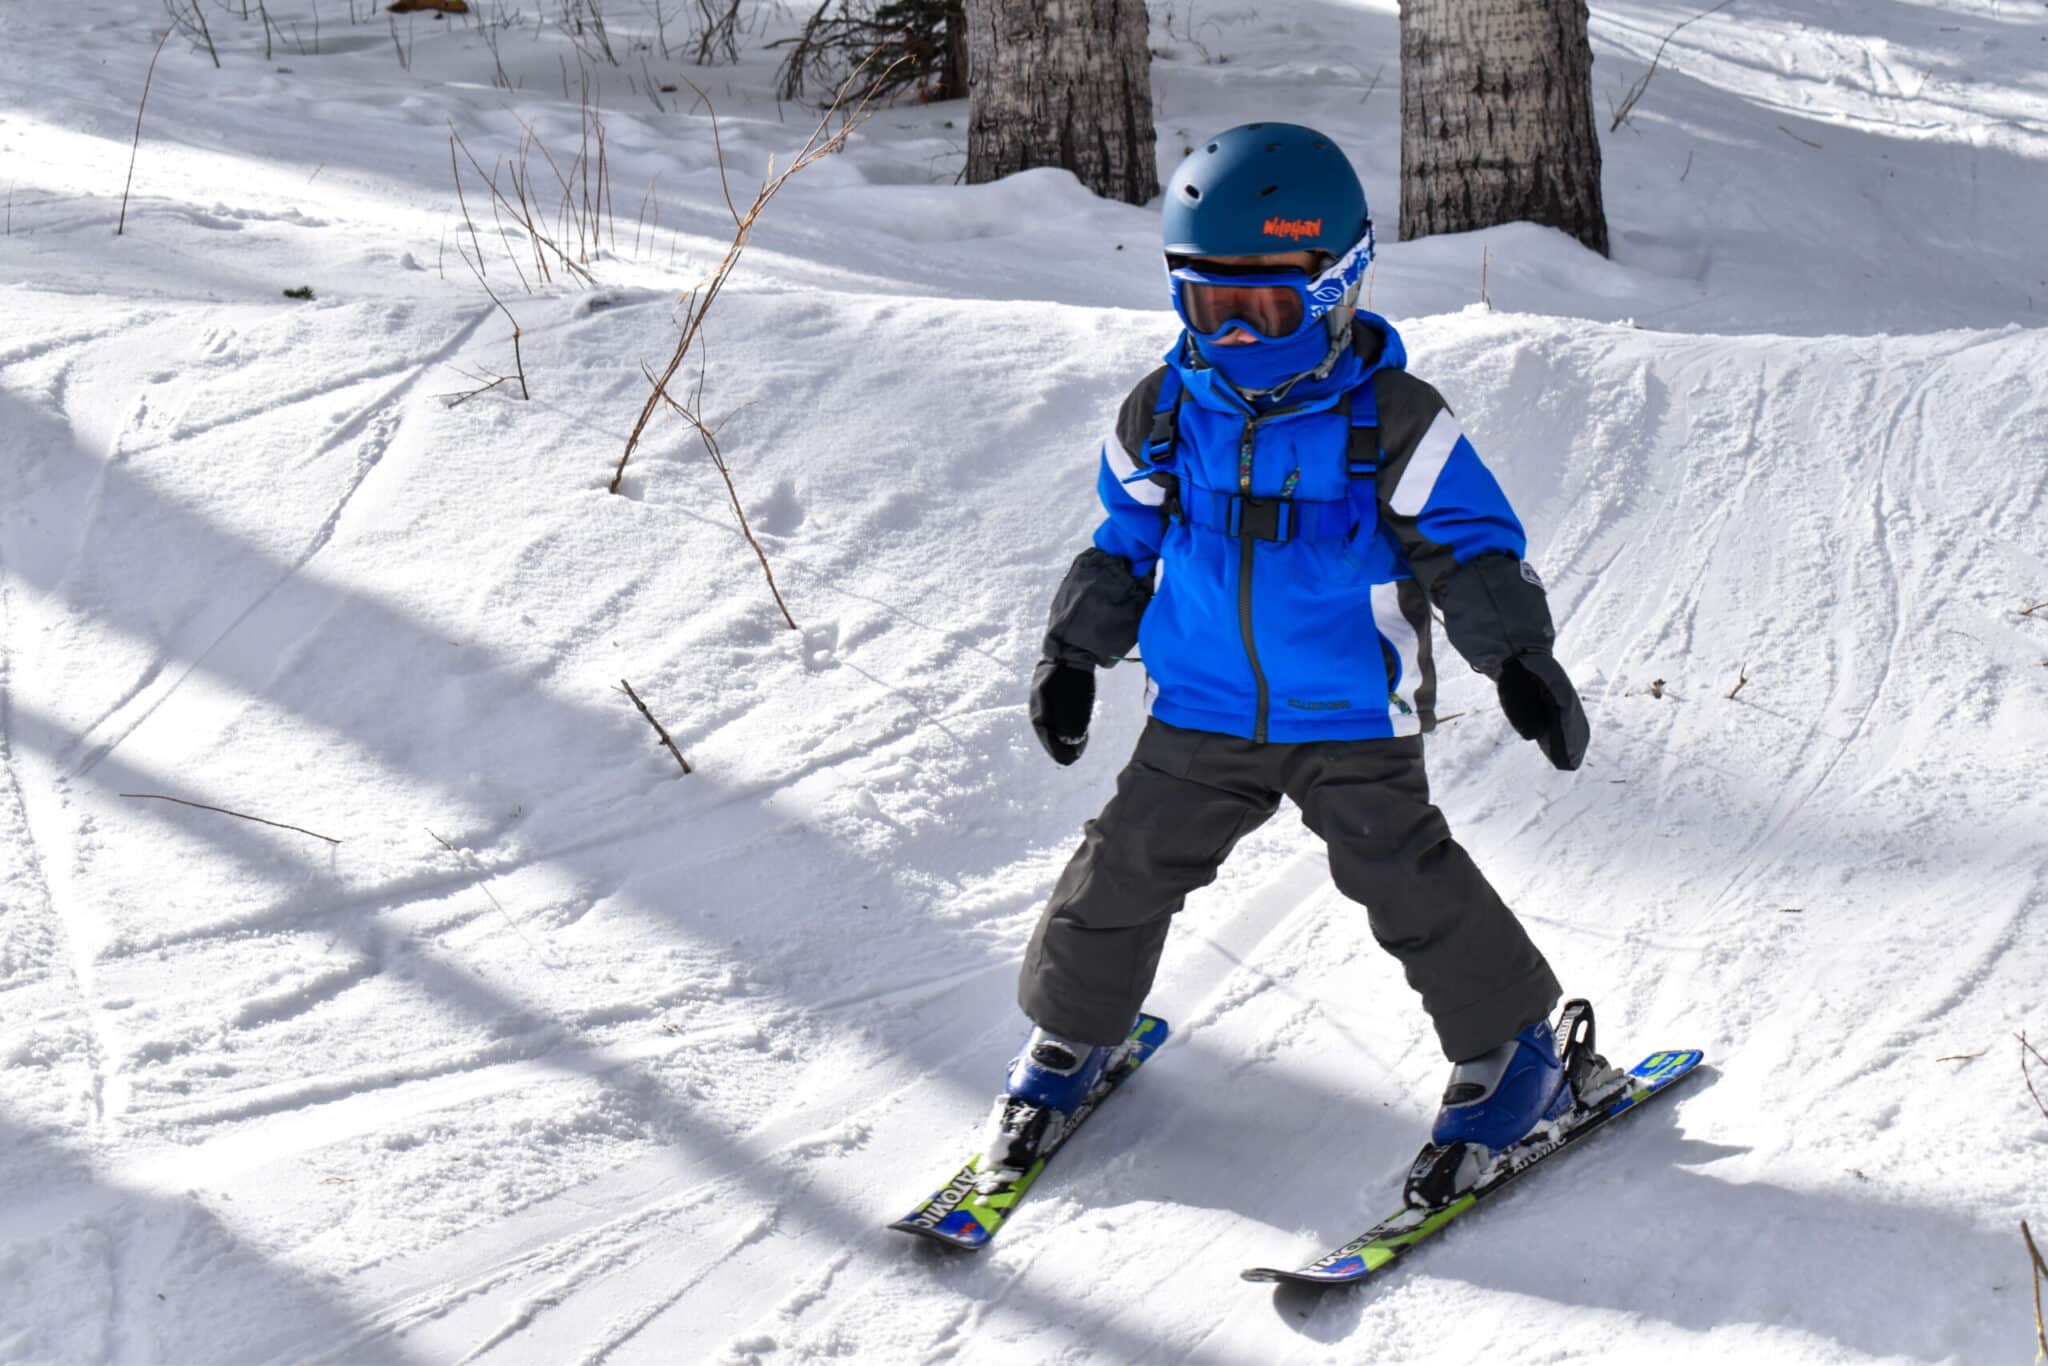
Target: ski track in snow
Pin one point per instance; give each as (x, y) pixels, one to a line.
(383, 412)
(561, 1056)
(36, 897)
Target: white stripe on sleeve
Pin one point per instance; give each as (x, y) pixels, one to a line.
(1432, 453)
(1122, 467)
(1400, 633)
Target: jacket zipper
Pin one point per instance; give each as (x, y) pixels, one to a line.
(1245, 544)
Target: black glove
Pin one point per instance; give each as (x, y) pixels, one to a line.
(1542, 706)
(1062, 700)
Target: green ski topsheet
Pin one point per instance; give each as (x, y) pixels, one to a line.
(961, 1216)
(1387, 1241)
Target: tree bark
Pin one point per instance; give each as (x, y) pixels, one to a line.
(1064, 83)
(953, 68)
(1497, 118)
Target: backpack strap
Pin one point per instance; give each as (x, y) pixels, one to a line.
(1163, 439)
(1165, 433)
(1362, 456)
(1362, 450)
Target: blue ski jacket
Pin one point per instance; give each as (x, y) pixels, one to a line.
(1276, 568)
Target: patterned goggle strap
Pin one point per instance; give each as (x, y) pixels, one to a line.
(1277, 305)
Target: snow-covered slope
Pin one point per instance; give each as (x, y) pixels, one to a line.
(559, 1055)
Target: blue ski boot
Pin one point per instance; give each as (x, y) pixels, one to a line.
(1501, 1098)
(1049, 1080)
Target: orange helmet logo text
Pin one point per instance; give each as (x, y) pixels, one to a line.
(1294, 228)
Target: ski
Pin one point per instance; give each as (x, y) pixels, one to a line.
(961, 1215)
(1391, 1239)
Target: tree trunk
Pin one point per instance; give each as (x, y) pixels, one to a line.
(1063, 83)
(953, 68)
(1497, 118)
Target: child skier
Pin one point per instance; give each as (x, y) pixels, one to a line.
(1285, 503)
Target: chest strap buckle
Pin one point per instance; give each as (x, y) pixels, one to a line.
(1261, 519)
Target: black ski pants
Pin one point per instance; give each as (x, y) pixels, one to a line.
(1184, 801)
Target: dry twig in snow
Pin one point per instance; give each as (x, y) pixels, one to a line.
(476, 267)
(194, 23)
(461, 198)
(122, 224)
(2036, 1274)
(709, 436)
(523, 212)
(518, 360)
(658, 730)
(698, 302)
(484, 385)
(1635, 92)
(160, 797)
(467, 857)
(2027, 1076)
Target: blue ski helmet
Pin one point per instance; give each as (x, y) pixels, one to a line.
(1271, 187)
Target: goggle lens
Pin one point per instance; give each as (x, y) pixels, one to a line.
(1271, 311)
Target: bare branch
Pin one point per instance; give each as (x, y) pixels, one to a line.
(522, 212)
(506, 238)
(456, 400)
(461, 198)
(640, 220)
(484, 887)
(917, 46)
(489, 33)
(709, 436)
(658, 730)
(604, 39)
(134, 147)
(1208, 57)
(1635, 92)
(2038, 1273)
(717, 146)
(2027, 1076)
(160, 797)
(720, 32)
(1741, 677)
(698, 302)
(193, 22)
(653, 93)
(518, 360)
(1374, 84)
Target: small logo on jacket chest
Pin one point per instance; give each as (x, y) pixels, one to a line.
(1302, 704)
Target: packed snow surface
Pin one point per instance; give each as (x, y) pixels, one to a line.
(559, 1055)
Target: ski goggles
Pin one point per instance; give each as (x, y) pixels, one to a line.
(1272, 304)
